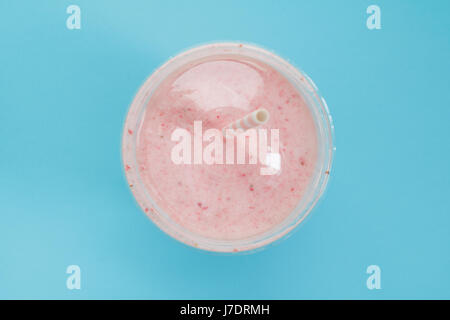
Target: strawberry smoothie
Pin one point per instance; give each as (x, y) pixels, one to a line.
(223, 202)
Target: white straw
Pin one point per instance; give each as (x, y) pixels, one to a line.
(252, 120)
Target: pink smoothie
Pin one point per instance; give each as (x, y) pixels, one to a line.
(222, 201)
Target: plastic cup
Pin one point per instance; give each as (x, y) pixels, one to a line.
(305, 87)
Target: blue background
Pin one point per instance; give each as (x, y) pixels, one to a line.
(64, 200)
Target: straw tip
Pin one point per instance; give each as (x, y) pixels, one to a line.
(262, 115)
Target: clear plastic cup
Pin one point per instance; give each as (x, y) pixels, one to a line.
(318, 182)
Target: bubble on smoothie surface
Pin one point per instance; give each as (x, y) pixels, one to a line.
(222, 201)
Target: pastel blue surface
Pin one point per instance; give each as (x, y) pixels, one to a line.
(64, 199)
